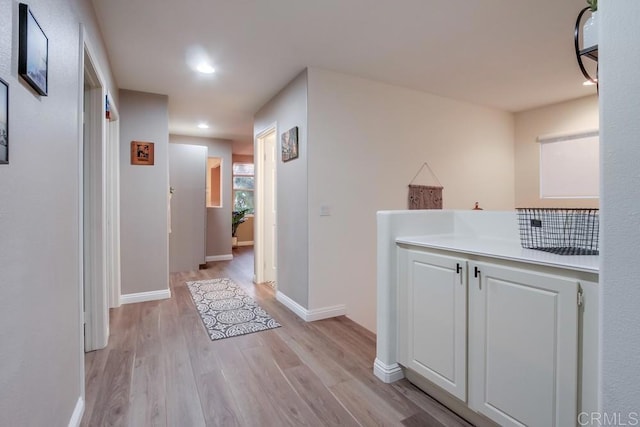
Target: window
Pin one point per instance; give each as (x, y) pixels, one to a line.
(243, 186)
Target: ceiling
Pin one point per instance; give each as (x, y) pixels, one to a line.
(508, 54)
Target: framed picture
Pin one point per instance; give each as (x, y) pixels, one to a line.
(33, 52)
(4, 122)
(141, 153)
(290, 144)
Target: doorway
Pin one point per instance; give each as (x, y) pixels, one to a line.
(188, 176)
(266, 245)
(95, 204)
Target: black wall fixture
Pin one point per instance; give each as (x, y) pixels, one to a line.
(590, 52)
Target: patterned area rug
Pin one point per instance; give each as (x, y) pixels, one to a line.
(226, 310)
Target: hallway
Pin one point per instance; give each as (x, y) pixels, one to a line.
(161, 369)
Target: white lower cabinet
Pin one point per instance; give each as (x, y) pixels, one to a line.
(523, 346)
(503, 339)
(433, 341)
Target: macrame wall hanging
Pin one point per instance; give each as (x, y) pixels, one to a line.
(425, 196)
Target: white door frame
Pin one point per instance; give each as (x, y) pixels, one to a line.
(92, 213)
(259, 226)
(113, 204)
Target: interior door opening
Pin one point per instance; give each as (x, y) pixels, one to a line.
(266, 213)
(94, 209)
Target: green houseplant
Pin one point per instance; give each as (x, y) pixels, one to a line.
(238, 217)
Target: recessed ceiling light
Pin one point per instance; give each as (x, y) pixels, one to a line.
(205, 69)
(203, 126)
(588, 83)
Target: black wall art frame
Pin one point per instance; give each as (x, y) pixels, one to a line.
(290, 144)
(33, 53)
(4, 122)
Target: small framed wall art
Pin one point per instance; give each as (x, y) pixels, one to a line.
(4, 122)
(290, 144)
(141, 153)
(33, 52)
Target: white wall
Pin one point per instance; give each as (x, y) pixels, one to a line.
(288, 109)
(620, 184)
(144, 193)
(41, 356)
(558, 119)
(218, 219)
(366, 142)
(187, 177)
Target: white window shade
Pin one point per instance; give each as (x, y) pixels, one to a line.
(569, 166)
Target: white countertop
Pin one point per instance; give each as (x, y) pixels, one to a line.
(503, 249)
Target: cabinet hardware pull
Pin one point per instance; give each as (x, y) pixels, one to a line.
(476, 274)
(458, 268)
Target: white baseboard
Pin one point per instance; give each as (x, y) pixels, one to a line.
(311, 315)
(78, 411)
(326, 312)
(145, 296)
(387, 373)
(247, 243)
(299, 310)
(227, 257)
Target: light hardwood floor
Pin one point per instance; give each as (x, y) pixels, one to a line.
(161, 369)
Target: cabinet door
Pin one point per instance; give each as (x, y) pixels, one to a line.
(433, 319)
(523, 346)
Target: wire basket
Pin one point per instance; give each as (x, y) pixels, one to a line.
(560, 231)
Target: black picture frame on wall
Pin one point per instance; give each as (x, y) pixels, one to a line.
(33, 52)
(4, 122)
(289, 144)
